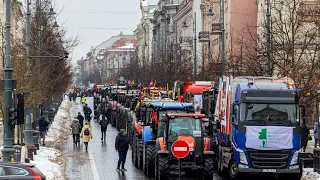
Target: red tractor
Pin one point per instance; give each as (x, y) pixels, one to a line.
(186, 127)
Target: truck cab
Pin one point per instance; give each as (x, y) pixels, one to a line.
(258, 126)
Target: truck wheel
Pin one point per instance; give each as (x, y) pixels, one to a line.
(151, 150)
(221, 170)
(233, 171)
(163, 173)
(207, 173)
(140, 153)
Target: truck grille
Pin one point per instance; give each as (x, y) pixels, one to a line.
(260, 159)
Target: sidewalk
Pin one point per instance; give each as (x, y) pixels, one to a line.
(100, 161)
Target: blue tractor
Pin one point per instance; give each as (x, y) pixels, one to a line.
(155, 129)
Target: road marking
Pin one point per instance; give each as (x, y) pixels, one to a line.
(180, 149)
(94, 169)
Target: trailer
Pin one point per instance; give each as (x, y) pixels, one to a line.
(258, 127)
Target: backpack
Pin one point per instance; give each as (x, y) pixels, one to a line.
(104, 123)
(86, 132)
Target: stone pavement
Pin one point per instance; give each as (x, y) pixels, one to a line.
(100, 161)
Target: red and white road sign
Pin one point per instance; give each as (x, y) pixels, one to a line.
(180, 149)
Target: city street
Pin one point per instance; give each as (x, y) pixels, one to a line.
(100, 161)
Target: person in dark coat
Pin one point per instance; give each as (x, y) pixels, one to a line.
(81, 119)
(304, 130)
(43, 127)
(104, 125)
(122, 146)
(88, 113)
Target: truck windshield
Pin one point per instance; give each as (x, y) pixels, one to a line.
(184, 126)
(271, 112)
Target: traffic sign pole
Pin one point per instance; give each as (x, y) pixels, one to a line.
(180, 149)
(179, 168)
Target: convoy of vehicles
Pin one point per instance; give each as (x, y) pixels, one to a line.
(241, 125)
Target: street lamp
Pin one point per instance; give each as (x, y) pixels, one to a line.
(8, 150)
(195, 43)
(55, 25)
(210, 14)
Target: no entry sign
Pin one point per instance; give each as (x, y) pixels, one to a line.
(180, 149)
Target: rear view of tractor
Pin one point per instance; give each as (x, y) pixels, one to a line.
(188, 128)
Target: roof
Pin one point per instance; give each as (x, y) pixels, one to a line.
(196, 89)
(266, 86)
(184, 115)
(127, 46)
(171, 105)
(108, 43)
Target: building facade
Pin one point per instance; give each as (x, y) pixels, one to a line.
(144, 32)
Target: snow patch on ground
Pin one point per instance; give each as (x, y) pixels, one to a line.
(61, 124)
(51, 163)
(308, 174)
(49, 159)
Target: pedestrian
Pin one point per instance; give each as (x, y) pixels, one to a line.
(104, 125)
(88, 113)
(315, 130)
(86, 135)
(122, 146)
(83, 99)
(304, 130)
(76, 129)
(43, 127)
(80, 118)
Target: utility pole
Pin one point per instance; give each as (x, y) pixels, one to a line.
(8, 150)
(202, 29)
(195, 46)
(222, 38)
(268, 24)
(28, 38)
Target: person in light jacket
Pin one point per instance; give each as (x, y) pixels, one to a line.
(76, 128)
(86, 135)
(316, 130)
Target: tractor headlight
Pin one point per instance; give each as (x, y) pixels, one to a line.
(295, 158)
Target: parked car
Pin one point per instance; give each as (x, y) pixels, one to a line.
(20, 171)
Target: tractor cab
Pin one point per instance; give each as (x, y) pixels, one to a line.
(186, 127)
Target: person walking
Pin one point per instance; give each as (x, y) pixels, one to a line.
(76, 128)
(315, 131)
(86, 135)
(122, 146)
(43, 127)
(88, 113)
(83, 99)
(104, 125)
(304, 130)
(80, 118)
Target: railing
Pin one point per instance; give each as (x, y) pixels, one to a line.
(171, 2)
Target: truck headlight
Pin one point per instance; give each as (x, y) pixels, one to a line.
(295, 158)
(191, 149)
(243, 158)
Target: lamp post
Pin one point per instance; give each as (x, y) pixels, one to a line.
(8, 150)
(222, 37)
(210, 14)
(268, 24)
(195, 44)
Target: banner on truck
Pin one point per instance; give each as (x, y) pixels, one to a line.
(269, 137)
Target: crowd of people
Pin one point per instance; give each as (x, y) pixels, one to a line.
(80, 128)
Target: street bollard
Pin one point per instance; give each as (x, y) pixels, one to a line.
(17, 153)
(28, 138)
(35, 138)
(317, 158)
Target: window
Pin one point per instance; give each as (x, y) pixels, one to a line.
(18, 171)
(2, 171)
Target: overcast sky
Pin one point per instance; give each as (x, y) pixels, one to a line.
(95, 21)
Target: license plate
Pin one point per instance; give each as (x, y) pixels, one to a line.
(269, 170)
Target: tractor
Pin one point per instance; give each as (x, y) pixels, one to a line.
(155, 130)
(186, 127)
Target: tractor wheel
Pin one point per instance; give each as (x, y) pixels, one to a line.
(208, 168)
(140, 153)
(135, 150)
(163, 168)
(151, 150)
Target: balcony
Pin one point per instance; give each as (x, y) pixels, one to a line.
(171, 3)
